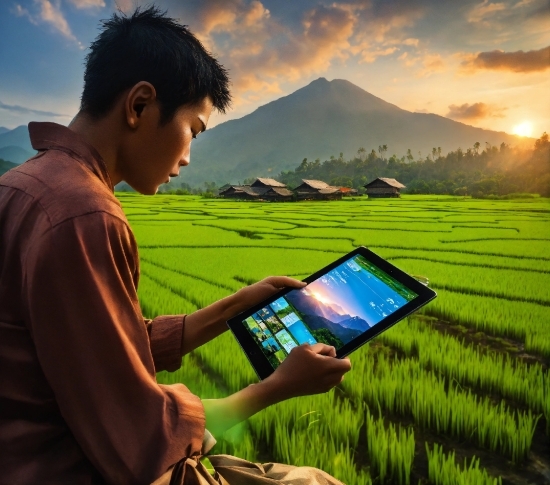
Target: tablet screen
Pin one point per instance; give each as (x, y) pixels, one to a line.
(334, 309)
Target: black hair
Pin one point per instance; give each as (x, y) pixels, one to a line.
(149, 46)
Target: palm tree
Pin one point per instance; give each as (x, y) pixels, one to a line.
(382, 149)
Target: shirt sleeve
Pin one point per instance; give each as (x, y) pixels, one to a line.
(165, 338)
(92, 344)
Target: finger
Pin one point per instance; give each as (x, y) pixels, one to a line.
(339, 366)
(284, 282)
(323, 349)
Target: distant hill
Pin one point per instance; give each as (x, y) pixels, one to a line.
(319, 120)
(3, 129)
(18, 137)
(5, 166)
(15, 154)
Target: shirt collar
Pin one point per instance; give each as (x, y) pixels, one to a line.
(47, 136)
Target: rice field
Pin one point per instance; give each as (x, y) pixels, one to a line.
(456, 394)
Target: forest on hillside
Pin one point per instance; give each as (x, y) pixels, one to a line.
(477, 171)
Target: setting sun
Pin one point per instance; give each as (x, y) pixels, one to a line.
(523, 129)
(321, 298)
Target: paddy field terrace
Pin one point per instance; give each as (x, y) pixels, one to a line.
(459, 393)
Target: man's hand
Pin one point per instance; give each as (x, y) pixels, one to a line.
(309, 369)
(209, 322)
(251, 295)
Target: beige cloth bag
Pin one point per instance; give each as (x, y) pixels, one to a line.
(230, 470)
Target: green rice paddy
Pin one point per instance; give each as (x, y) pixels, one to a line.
(457, 394)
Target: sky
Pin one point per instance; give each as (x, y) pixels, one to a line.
(483, 63)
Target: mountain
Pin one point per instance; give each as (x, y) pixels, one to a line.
(355, 323)
(310, 305)
(17, 137)
(3, 129)
(319, 315)
(5, 166)
(319, 120)
(316, 322)
(15, 145)
(15, 154)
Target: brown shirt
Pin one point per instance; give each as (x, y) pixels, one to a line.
(79, 402)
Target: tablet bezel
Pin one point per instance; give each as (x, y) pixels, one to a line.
(259, 361)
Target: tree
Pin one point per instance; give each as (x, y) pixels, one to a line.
(382, 149)
(327, 337)
(341, 182)
(542, 143)
(372, 155)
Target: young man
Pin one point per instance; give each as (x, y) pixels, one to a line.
(79, 402)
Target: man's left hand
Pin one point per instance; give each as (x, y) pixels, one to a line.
(252, 295)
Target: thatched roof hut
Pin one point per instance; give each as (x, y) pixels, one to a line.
(260, 189)
(384, 187)
(264, 182)
(317, 190)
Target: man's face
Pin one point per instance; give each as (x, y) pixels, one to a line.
(154, 153)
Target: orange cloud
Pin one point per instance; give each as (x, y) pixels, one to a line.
(485, 9)
(474, 111)
(262, 52)
(431, 63)
(48, 12)
(83, 4)
(519, 61)
(125, 5)
(323, 38)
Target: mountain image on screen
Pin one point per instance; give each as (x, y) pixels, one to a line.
(318, 315)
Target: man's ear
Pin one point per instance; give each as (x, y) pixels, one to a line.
(140, 99)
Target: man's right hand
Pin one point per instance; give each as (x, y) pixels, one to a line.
(309, 369)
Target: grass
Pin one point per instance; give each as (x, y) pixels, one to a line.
(487, 259)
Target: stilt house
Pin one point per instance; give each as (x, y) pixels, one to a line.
(317, 190)
(260, 189)
(384, 187)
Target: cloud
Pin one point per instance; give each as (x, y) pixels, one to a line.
(52, 15)
(262, 52)
(474, 111)
(83, 4)
(49, 13)
(23, 110)
(426, 63)
(413, 42)
(20, 11)
(371, 55)
(483, 10)
(125, 5)
(431, 63)
(519, 61)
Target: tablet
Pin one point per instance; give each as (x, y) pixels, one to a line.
(345, 305)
